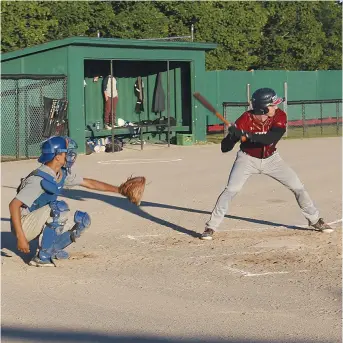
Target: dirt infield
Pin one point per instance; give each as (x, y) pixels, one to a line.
(143, 275)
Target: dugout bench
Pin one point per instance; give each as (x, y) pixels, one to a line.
(142, 128)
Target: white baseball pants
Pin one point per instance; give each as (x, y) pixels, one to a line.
(34, 222)
(273, 166)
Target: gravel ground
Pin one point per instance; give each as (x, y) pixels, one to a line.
(143, 275)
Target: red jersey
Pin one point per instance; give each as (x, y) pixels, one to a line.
(248, 122)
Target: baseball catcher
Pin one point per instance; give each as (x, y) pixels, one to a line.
(36, 211)
(262, 128)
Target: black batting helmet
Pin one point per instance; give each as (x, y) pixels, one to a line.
(262, 98)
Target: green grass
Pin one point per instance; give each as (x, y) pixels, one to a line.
(294, 132)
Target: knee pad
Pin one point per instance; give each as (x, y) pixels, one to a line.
(59, 215)
(82, 222)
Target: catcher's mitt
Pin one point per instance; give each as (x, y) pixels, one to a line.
(133, 189)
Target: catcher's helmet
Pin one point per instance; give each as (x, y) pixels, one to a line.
(262, 98)
(56, 145)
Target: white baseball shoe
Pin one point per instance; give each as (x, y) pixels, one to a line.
(207, 235)
(322, 226)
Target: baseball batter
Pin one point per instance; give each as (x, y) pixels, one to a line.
(263, 127)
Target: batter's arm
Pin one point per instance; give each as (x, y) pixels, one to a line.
(270, 137)
(228, 143)
(235, 133)
(274, 134)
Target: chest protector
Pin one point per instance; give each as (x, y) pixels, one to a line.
(52, 189)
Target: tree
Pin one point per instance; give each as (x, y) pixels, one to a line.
(24, 24)
(234, 26)
(80, 18)
(330, 15)
(293, 38)
(297, 35)
(101, 18)
(138, 20)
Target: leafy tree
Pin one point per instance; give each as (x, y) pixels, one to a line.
(138, 20)
(80, 18)
(72, 18)
(297, 35)
(293, 38)
(101, 18)
(329, 14)
(24, 24)
(234, 26)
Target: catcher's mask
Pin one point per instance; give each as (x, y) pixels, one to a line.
(56, 145)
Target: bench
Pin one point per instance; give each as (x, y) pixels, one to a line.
(127, 130)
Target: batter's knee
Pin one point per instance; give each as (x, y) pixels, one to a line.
(298, 190)
(232, 190)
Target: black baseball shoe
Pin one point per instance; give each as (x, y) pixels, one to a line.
(207, 235)
(322, 226)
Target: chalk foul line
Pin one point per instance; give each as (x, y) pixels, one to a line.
(248, 274)
(139, 161)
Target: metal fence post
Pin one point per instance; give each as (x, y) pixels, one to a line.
(248, 96)
(168, 103)
(321, 118)
(17, 120)
(285, 94)
(303, 118)
(337, 117)
(111, 99)
(26, 114)
(225, 116)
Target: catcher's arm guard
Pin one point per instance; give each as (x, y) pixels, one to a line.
(133, 189)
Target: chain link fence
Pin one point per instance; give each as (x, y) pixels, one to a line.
(31, 105)
(314, 118)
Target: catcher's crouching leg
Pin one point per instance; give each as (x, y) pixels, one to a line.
(53, 242)
(133, 188)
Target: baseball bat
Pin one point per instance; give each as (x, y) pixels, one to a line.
(207, 105)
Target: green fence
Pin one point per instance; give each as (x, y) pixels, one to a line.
(22, 112)
(237, 86)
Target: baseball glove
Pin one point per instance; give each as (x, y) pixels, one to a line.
(133, 189)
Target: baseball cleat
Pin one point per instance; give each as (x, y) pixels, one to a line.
(207, 235)
(37, 262)
(322, 226)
